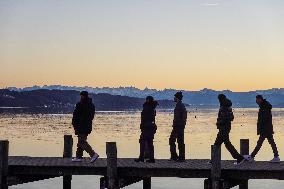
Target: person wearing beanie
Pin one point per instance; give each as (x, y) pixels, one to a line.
(83, 116)
(177, 134)
(148, 129)
(264, 129)
(225, 117)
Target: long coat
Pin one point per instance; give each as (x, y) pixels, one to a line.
(148, 115)
(264, 122)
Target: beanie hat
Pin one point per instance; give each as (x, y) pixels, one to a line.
(84, 93)
(150, 98)
(259, 97)
(222, 97)
(179, 95)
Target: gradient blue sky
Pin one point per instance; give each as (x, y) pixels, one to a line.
(219, 44)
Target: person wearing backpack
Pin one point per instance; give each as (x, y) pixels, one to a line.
(264, 129)
(177, 134)
(225, 117)
(148, 129)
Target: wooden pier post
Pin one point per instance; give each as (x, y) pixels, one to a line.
(207, 184)
(4, 152)
(103, 183)
(147, 183)
(112, 176)
(244, 151)
(216, 166)
(67, 153)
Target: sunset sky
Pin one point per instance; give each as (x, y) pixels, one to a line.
(182, 44)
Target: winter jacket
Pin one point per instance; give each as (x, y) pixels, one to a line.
(225, 116)
(264, 123)
(83, 116)
(148, 115)
(180, 116)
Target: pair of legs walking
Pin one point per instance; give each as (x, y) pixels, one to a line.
(260, 142)
(223, 137)
(177, 135)
(82, 146)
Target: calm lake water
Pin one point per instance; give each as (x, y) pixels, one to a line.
(42, 135)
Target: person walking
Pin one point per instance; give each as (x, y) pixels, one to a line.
(148, 129)
(177, 134)
(264, 129)
(82, 120)
(225, 117)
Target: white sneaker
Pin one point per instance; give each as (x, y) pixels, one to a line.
(77, 159)
(94, 158)
(241, 162)
(249, 158)
(275, 160)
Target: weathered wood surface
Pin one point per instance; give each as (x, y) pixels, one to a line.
(216, 166)
(198, 168)
(67, 153)
(4, 165)
(112, 173)
(244, 149)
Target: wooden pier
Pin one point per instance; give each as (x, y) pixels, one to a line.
(120, 172)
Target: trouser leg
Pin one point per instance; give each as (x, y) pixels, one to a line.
(79, 151)
(258, 146)
(273, 145)
(150, 144)
(219, 139)
(172, 142)
(142, 146)
(181, 145)
(84, 145)
(235, 154)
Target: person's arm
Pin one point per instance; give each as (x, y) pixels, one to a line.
(75, 118)
(266, 117)
(184, 115)
(93, 111)
(180, 114)
(222, 117)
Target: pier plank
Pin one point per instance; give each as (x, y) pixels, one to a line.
(195, 168)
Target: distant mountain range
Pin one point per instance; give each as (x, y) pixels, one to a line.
(63, 101)
(205, 97)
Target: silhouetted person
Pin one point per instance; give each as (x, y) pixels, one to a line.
(177, 134)
(225, 117)
(148, 129)
(264, 129)
(83, 116)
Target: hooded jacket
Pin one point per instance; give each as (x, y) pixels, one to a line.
(225, 115)
(264, 122)
(148, 116)
(83, 116)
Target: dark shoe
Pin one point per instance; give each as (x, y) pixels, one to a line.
(181, 160)
(174, 159)
(151, 161)
(139, 160)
